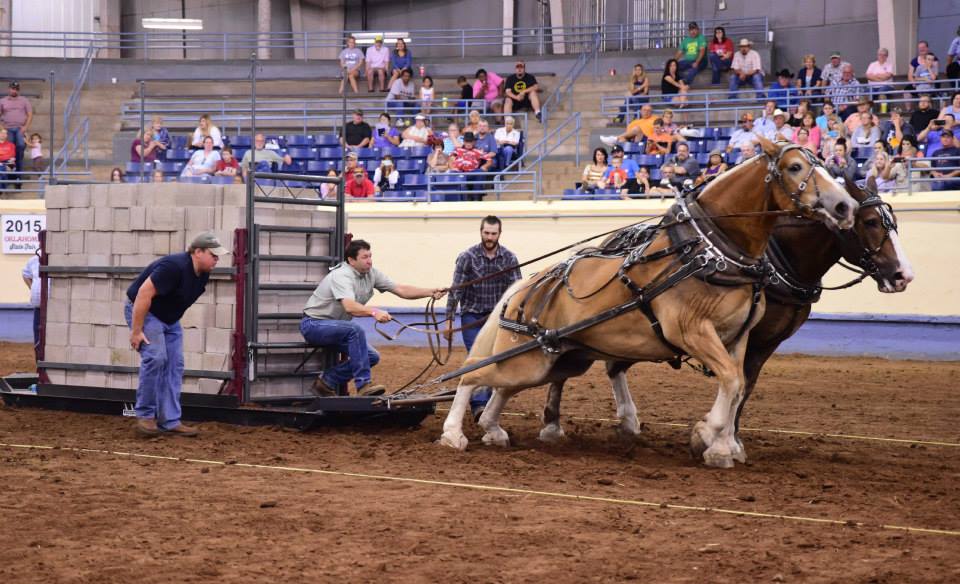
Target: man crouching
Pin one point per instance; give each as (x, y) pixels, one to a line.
(328, 318)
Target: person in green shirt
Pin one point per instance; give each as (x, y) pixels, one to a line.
(692, 54)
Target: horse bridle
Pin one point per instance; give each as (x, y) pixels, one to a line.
(889, 223)
(773, 172)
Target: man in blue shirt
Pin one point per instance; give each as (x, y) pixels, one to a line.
(156, 301)
(948, 158)
(782, 92)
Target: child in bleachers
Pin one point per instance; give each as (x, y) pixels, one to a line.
(426, 94)
(616, 176)
(227, 165)
(642, 188)
(157, 176)
(385, 177)
(37, 162)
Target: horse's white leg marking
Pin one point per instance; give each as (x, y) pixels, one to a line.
(626, 409)
(453, 425)
(552, 431)
(490, 419)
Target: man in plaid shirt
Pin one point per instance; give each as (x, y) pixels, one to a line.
(477, 301)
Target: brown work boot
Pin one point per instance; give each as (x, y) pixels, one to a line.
(181, 430)
(147, 427)
(371, 390)
(321, 389)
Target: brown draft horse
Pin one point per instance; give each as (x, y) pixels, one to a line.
(873, 245)
(707, 321)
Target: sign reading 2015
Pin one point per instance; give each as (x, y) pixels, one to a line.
(21, 233)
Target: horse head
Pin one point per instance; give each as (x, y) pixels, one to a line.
(874, 243)
(800, 183)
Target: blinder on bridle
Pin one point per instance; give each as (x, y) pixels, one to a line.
(889, 223)
(773, 172)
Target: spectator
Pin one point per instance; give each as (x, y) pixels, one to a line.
(669, 126)
(630, 166)
(264, 157)
(508, 142)
(879, 148)
(643, 184)
(782, 91)
(466, 92)
(453, 139)
(946, 157)
(473, 122)
(744, 135)
(359, 186)
(116, 175)
(715, 167)
(841, 164)
(593, 172)
(925, 73)
(923, 49)
(846, 92)
(378, 61)
(889, 175)
(521, 92)
(403, 94)
(357, 133)
(488, 87)
(16, 115)
(161, 136)
(833, 71)
(893, 130)
(143, 148)
(37, 162)
(157, 176)
(638, 94)
(615, 176)
(417, 134)
(954, 51)
(954, 107)
(351, 63)
(329, 190)
(802, 138)
(468, 159)
(203, 162)
(661, 141)
(746, 68)
(352, 164)
(864, 105)
(682, 166)
(747, 151)
(796, 119)
(384, 133)
(487, 143)
(826, 111)
(810, 78)
(692, 55)
(439, 160)
(672, 88)
(227, 165)
(637, 130)
(880, 74)
(720, 53)
(836, 133)
(400, 59)
(924, 113)
(764, 125)
(386, 177)
(912, 159)
(31, 277)
(426, 95)
(8, 159)
(813, 130)
(933, 134)
(206, 128)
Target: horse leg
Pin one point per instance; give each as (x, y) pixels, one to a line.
(453, 435)
(713, 437)
(754, 361)
(626, 409)
(552, 431)
(494, 434)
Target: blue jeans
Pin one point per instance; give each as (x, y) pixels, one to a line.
(688, 70)
(347, 337)
(631, 106)
(36, 332)
(481, 396)
(401, 107)
(878, 90)
(718, 66)
(756, 80)
(505, 156)
(16, 136)
(161, 370)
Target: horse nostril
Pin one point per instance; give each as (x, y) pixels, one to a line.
(842, 209)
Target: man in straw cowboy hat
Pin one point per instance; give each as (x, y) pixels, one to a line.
(746, 68)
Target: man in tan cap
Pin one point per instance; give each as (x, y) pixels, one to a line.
(746, 68)
(156, 301)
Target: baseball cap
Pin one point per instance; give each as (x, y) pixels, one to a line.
(946, 132)
(208, 240)
(379, 37)
(617, 148)
(15, 84)
(358, 112)
(835, 54)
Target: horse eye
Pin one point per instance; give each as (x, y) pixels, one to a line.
(795, 167)
(871, 223)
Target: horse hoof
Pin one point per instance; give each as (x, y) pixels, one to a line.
(552, 433)
(455, 441)
(717, 460)
(628, 431)
(739, 453)
(700, 439)
(498, 437)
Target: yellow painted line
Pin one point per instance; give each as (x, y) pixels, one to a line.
(499, 489)
(770, 430)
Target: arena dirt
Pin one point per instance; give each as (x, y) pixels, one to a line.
(88, 517)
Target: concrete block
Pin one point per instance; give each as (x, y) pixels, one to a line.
(215, 362)
(193, 340)
(122, 195)
(80, 335)
(82, 289)
(325, 218)
(124, 241)
(95, 379)
(58, 311)
(55, 353)
(209, 386)
(318, 244)
(59, 289)
(224, 316)
(165, 194)
(229, 218)
(58, 196)
(53, 221)
(103, 289)
(99, 355)
(144, 244)
(119, 336)
(179, 241)
(165, 218)
(293, 218)
(98, 242)
(224, 292)
(190, 385)
(102, 312)
(56, 242)
(80, 218)
(287, 244)
(57, 332)
(74, 260)
(121, 219)
(124, 356)
(99, 260)
(57, 376)
(234, 196)
(101, 336)
(218, 340)
(285, 272)
(80, 312)
(201, 196)
(98, 196)
(137, 260)
(75, 241)
(193, 360)
(79, 196)
(199, 316)
(103, 219)
(138, 218)
(161, 243)
(199, 219)
(77, 355)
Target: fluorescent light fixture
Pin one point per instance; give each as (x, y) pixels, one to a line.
(173, 23)
(389, 37)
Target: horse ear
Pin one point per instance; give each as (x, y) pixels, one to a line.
(768, 147)
(871, 185)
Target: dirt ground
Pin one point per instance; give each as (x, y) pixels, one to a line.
(72, 516)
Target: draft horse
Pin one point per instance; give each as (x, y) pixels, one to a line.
(692, 285)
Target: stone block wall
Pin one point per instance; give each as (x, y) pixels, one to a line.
(129, 226)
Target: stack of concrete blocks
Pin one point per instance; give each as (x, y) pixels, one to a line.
(130, 225)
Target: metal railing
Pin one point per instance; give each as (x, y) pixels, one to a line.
(534, 155)
(76, 141)
(564, 89)
(712, 103)
(74, 98)
(444, 185)
(542, 40)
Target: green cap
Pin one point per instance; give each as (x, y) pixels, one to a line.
(208, 240)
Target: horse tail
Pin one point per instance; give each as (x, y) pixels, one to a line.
(483, 345)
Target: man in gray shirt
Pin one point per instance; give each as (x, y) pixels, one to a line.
(264, 157)
(328, 318)
(682, 165)
(351, 63)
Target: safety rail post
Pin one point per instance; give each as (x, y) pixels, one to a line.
(140, 127)
(53, 90)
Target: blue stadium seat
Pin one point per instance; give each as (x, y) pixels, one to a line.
(412, 180)
(330, 153)
(655, 174)
(302, 153)
(703, 158)
(419, 151)
(414, 194)
(178, 142)
(631, 148)
(394, 151)
(222, 180)
(410, 165)
(366, 153)
(134, 167)
(709, 133)
(319, 167)
(134, 178)
(326, 140)
(724, 133)
(239, 141)
(169, 167)
(178, 154)
(650, 160)
(298, 141)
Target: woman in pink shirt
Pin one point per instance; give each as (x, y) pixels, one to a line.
(488, 86)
